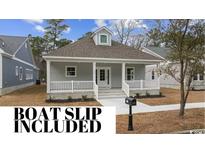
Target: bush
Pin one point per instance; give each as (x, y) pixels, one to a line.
(160, 93)
(137, 95)
(84, 97)
(69, 98)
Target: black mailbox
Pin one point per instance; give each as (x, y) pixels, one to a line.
(130, 101)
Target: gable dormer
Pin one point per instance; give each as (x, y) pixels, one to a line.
(102, 36)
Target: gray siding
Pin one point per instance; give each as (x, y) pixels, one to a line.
(9, 73)
(85, 72)
(25, 54)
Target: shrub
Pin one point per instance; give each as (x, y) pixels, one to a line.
(147, 94)
(69, 98)
(160, 93)
(84, 97)
(137, 95)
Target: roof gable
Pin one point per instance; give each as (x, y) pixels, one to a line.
(161, 51)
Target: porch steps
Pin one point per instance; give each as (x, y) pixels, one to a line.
(111, 93)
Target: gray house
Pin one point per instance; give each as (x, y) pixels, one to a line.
(98, 67)
(166, 80)
(17, 66)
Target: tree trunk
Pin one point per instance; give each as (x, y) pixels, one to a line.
(182, 99)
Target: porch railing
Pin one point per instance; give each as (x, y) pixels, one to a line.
(126, 88)
(143, 84)
(95, 88)
(71, 86)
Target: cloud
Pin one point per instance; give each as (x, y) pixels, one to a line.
(99, 23)
(40, 28)
(34, 21)
(68, 30)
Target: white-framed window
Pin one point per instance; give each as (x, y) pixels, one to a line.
(17, 71)
(103, 39)
(201, 76)
(153, 75)
(70, 71)
(195, 77)
(29, 74)
(130, 73)
(20, 73)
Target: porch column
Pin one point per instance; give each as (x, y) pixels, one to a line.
(123, 72)
(48, 64)
(94, 72)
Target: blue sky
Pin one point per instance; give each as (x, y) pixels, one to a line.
(18, 27)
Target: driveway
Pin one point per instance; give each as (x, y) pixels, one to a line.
(122, 108)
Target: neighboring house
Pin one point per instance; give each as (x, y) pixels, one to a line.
(98, 67)
(166, 80)
(17, 66)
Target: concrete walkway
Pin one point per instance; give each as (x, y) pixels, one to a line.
(122, 108)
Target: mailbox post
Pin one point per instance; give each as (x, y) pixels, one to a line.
(131, 101)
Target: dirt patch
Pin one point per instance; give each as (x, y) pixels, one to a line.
(172, 96)
(161, 122)
(36, 96)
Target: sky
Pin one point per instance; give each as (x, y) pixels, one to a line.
(77, 27)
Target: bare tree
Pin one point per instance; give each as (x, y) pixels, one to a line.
(137, 41)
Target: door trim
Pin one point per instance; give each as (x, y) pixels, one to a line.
(106, 68)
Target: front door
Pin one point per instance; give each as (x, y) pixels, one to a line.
(103, 77)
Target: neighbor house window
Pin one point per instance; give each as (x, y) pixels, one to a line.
(17, 71)
(201, 76)
(153, 75)
(70, 71)
(130, 73)
(103, 38)
(29, 74)
(20, 73)
(195, 77)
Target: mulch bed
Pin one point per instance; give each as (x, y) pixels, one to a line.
(161, 122)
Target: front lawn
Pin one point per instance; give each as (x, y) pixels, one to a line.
(35, 96)
(172, 96)
(162, 122)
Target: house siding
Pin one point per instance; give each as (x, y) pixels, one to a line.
(9, 73)
(25, 54)
(85, 72)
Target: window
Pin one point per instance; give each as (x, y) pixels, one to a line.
(103, 39)
(29, 74)
(20, 73)
(201, 76)
(130, 73)
(153, 75)
(70, 71)
(102, 75)
(195, 77)
(17, 71)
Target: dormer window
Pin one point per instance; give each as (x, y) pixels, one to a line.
(103, 39)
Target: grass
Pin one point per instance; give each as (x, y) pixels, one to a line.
(172, 96)
(36, 96)
(162, 122)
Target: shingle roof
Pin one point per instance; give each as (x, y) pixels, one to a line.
(162, 51)
(11, 43)
(87, 48)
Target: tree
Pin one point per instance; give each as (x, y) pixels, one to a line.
(186, 40)
(85, 35)
(137, 41)
(54, 31)
(125, 28)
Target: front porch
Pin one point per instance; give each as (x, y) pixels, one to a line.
(85, 78)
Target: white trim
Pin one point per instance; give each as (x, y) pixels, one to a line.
(100, 43)
(21, 75)
(105, 28)
(133, 73)
(29, 76)
(48, 64)
(66, 75)
(17, 70)
(95, 59)
(110, 74)
(1, 71)
(20, 47)
(146, 50)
